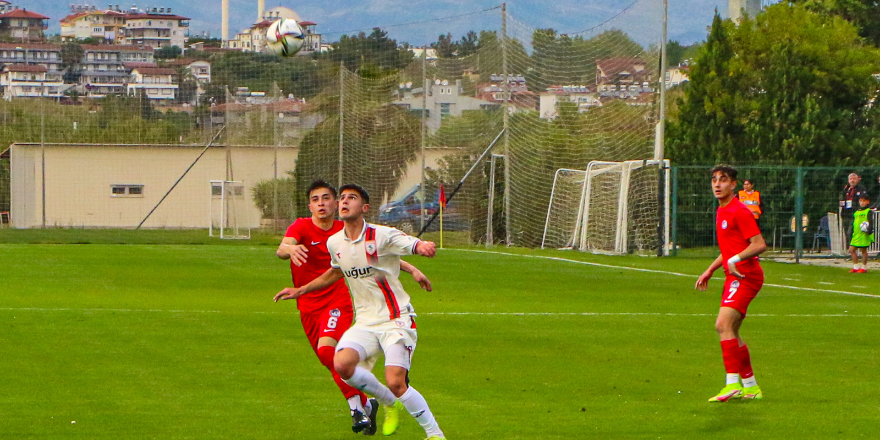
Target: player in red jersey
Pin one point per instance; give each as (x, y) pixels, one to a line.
(740, 242)
(326, 314)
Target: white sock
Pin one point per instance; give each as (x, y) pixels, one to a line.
(354, 404)
(750, 382)
(365, 381)
(416, 405)
(732, 378)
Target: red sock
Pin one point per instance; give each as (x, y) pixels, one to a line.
(325, 354)
(745, 362)
(730, 352)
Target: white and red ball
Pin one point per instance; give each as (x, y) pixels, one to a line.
(285, 37)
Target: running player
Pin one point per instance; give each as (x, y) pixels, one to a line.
(327, 313)
(368, 256)
(740, 242)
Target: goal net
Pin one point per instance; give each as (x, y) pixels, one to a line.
(611, 207)
(228, 210)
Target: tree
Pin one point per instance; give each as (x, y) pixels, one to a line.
(187, 85)
(167, 52)
(71, 59)
(864, 14)
(789, 86)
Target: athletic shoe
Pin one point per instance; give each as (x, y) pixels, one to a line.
(862, 271)
(435, 437)
(392, 418)
(374, 411)
(732, 391)
(359, 421)
(752, 393)
(853, 270)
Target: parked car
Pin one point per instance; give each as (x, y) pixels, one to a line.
(403, 213)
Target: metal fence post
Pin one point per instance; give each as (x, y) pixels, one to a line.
(674, 214)
(799, 215)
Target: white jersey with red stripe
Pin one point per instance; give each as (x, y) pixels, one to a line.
(371, 265)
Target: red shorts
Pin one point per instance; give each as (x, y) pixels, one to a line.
(739, 293)
(330, 322)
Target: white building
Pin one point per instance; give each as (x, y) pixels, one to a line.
(677, 76)
(252, 39)
(583, 96)
(444, 99)
(154, 82)
(158, 28)
(46, 55)
(29, 81)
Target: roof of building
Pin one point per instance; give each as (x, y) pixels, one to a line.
(25, 68)
(155, 70)
(30, 46)
(307, 23)
(23, 13)
(614, 66)
(184, 62)
(262, 24)
(78, 15)
(139, 65)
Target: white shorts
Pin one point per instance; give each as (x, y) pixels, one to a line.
(396, 339)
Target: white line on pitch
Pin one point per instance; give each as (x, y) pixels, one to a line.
(678, 274)
(770, 315)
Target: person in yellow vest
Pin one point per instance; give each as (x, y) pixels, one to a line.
(862, 235)
(751, 198)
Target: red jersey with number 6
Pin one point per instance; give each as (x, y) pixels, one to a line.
(308, 234)
(735, 225)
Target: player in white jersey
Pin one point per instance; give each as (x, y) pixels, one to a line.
(368, 256)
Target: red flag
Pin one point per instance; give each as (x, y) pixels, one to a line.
(442, 196)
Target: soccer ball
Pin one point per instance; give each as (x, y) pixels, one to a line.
(865, 227)
(285, 37)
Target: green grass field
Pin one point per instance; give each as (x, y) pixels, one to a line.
(183, 341)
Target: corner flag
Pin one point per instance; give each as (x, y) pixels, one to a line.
(442, 205)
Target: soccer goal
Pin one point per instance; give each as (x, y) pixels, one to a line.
(228, 210)
(610, 208)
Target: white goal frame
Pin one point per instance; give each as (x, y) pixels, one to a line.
(238, 232)
(579, 237)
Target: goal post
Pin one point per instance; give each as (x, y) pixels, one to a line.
(228, 210)
(610, 208)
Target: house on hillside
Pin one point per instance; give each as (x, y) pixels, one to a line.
(23, 25)
(444, 99)
(156, 83)
(31, 81)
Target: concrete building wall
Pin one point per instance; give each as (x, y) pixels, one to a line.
(79, 181)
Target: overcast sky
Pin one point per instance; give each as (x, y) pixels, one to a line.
(688, 19)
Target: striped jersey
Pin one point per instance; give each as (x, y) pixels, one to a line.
(371, 265)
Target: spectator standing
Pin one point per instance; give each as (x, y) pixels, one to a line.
(751, 198)
(849, 200)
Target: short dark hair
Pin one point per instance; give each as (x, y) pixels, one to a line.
(865, 196)
(727, 170)
(752, 181)
(318, 184)
(358, 189)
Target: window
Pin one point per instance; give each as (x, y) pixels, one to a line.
(125, 190)
(166, 91)
(444, 109)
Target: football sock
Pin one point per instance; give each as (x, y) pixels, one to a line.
(416, 405)
(730, 354)
(354, 404)
(365, 381)
(745, 367)
(325, 354)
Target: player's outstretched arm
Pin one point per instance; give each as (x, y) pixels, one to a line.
(426, 249)
(325, 280)
(703, 280)
(417, 275)
(282, 251)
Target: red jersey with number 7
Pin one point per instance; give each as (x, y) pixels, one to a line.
(308, 234)
(735, 225)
